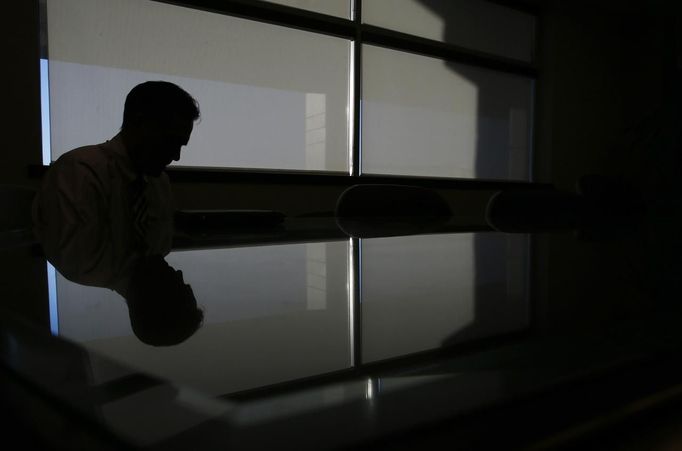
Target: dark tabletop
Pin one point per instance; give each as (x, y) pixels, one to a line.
(359, 339)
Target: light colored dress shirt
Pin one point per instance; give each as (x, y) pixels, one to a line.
(95, 215)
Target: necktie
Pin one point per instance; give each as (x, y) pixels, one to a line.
(138, 202)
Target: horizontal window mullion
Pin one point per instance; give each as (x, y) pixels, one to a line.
(274, 14)
(395, 40)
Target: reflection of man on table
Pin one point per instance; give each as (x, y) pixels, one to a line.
(105, 212)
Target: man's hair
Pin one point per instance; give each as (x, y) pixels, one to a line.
(159, 100)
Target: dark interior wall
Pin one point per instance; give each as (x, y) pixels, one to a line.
(605, 67)
(20, 273)
(608, 74)
(20, 78)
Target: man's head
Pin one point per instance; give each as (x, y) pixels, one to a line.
(157, 121)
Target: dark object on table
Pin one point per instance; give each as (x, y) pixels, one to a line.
(225, 220)
(601, 206)
(365, 211)
(533, 211)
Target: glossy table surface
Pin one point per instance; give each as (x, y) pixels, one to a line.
(349, 339)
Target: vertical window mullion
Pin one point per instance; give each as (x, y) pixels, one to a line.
(356, 93)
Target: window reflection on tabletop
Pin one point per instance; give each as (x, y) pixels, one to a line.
(277, 313)
(425, 291)
(271, 314)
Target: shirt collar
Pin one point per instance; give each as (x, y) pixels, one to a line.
(118, 149)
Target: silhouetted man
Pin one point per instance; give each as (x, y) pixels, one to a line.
(104, 214)
(122, 181)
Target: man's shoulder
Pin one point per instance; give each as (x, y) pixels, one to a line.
(91, 153)
(93, 157)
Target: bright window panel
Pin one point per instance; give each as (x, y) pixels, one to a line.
(271, 97)
(338, 8)
(424, 116)
(473, 24)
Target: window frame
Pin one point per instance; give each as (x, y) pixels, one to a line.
(358, 33)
